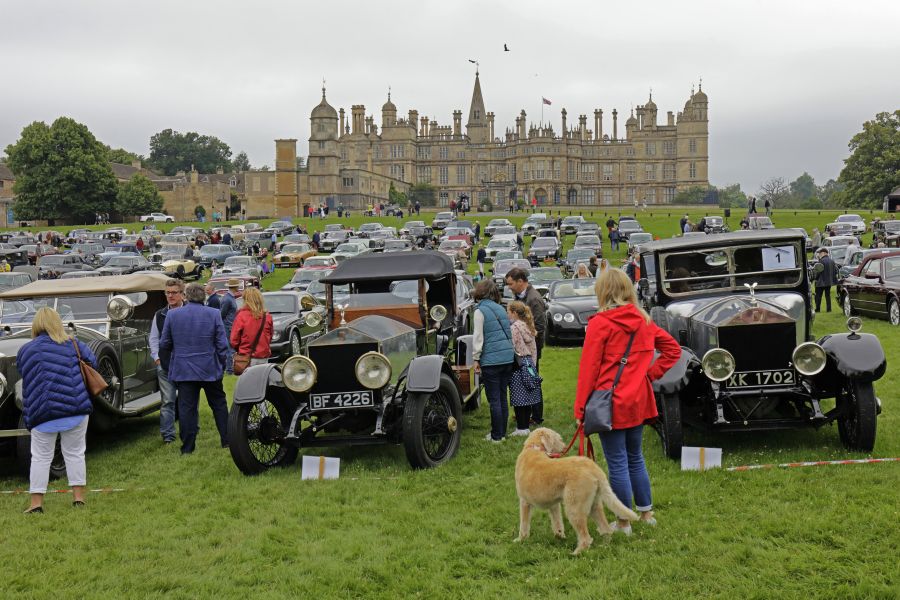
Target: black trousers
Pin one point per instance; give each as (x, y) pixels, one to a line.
(820, 290)
(188, 405)
(537, 410)
(523, 415)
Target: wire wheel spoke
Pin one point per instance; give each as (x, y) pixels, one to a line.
(263, 429)
(436, 433)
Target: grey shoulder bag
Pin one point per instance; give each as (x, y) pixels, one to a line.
(598, 412)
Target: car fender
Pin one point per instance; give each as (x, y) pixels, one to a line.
(252, 384)
(855, 355)
(424, 373)
(679, 375)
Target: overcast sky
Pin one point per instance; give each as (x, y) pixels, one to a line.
(789, 82)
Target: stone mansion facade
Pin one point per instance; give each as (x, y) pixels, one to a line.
(352, 161)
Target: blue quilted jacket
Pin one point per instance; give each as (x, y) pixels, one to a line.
(52, 386)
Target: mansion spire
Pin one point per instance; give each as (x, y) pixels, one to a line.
(477, 126)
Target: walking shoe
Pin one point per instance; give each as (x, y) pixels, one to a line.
(521, 433)
(615, 527)
(78, 503)
(488, 438)
(34, 510)
(651, 522)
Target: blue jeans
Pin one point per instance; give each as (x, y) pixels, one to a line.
(188, 405)
(229, 360)
(167, 409)
(496, 382)
(627, 471)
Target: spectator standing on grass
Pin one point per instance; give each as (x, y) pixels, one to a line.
(477, 231)
(826, 273)
(195, 335)
(620, 320)
(316, 238)
(212, 298)
(228, 310)
(480, 258)
(493, 353)
(614, 238)
(517, 281)
(174, 299)
(252, 321)
(525, 383)
(55, 401)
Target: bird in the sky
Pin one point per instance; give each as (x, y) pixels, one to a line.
(505, 49)
(472, 61)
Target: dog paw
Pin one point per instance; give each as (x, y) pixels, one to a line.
(560, 534)
(579, 550)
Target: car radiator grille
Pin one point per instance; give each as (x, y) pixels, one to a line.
(759, 347)
(336, 366)
(585, 316)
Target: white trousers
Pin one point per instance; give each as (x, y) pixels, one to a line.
(43, 445)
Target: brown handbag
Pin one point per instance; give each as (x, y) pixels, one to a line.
(242, 361)
(93, 380)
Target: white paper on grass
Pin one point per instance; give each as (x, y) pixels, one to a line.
(320, 467)
(778, 257)
(700, 459)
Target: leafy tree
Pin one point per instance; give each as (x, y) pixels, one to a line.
(395, 197)
(802, 189)
(811, 202)
(241, 162)
(692, 195)
(873, 168)
(775, 191)
(832, 194)
(122, 156)
(264, 168)
(172, 151)
(732, 196)
(423, 193)
(138, 196)
(62, 171)
(199, 210)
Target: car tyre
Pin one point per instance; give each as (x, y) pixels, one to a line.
(253, 432)
(858, 423)
(432, 425)
(179, 272)
(668, 424)
(23, 455)
(114, 395)
(894, 312)
(848, 308)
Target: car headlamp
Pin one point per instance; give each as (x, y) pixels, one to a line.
(312, 319)
(119, 308)
(307, 302)
(438, 313)
(299, 373)
(276, 335)
(373, 370)
(809, 358)
(557, 317)
(854, 324)
(569, 318)
(718, 364)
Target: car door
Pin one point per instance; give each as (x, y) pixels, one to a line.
(870, 295)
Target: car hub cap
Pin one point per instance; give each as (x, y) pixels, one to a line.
(263, 432)
(895, 313)
(438, 426)
(108, 371)
(295, 343)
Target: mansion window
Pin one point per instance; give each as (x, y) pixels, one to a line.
(396, 150)
(321, 161)
(477, 114)
(445, 198)
(669, 148)
(629, 151)
(321, 145)
(651, 148)
(424, 152)
(607, 196)
(512, 172)
(256, 184)
(572, 197)
(348, 181)
(571, 171)
(320, 127)
(650, 172)
(692, 171)
(443, 176)
(526, 174)
(482, 173)
(500, 154)
(555, 195)
(587, 172)
(398, 172)
(376, 152)
(629, 195)
(589, 196)
(461, 155)
(460, 174)
(692, 146)
(423, 174)
(343, 154)
(443, 152)
(669, 194)
(607, 172)
(231, 182)
(539, 169)
(650, 196)
(556, 171)
(630, 173)
(668, 172)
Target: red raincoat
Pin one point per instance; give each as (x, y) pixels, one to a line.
(604, 345)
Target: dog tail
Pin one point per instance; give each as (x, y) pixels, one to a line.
(614, 504)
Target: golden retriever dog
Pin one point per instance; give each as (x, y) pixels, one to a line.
(576, 482)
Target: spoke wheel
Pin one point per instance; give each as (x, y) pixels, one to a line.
(432, 425)
(848, 308)
(857, 426)
(668, 424)
(296, 343)
(256, 436)
(894, 312)
(113, 396)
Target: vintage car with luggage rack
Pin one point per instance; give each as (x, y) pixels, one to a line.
(112, 316)
(389, 370)
(739, 305)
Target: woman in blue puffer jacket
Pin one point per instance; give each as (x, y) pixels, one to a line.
(55, 401)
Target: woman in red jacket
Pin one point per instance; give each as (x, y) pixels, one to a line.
(247, 325)
(605, 343)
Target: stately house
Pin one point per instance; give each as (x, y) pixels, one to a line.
(353, 161)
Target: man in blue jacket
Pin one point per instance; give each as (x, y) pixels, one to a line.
(195, 336)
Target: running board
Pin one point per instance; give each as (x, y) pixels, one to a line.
(142, 406)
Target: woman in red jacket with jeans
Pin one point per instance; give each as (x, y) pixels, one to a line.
(247, 325)
(605, 343)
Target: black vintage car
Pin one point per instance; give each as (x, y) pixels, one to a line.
(739, 305)
(873, 289)
(570, 303)
(297, 318)
(112, 316)
(390, 370)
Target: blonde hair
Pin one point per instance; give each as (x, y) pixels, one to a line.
(253, 301)
(614, 289)
(582, 270)
(47, 320)
(521, 310)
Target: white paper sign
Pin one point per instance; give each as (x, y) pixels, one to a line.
(778, 257)
(320, 467)
(700, 459)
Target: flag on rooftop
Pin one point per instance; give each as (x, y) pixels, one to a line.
(547, 102)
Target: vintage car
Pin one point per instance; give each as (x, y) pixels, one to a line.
(112, 316)
(397, 245)
(62, 263)
(541, 278)
(217, 253)
(220, 283)
(390, 370)
(293, 255)
(292, 325)
(575, 256)
(494, 224)
(457, 250)
(441, 220)
(544, 249)
(404, 230)
(532, 223)
(636, 239)
(589, 242)
(281, 227)
(35, 251)
(627, 227)
(157, 218)
(14, 256)
(11, 281)
(571, 224)
(328, 262)
(852, 262)
(760, 222)
(857, 223)
(117, 250)
(240, 264)
(123, 265)
(501, 267)
(366, 228)
(570, 303)
(507, 254)
(348, 250)
(714, 224)
(333, 239)
(293, 238)
(739, 306)
(304, 276)
(588, 228)
(498, 244)
(177, 260)
(89, 251)
(873, 289)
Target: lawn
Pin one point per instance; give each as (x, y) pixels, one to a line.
(194, 527)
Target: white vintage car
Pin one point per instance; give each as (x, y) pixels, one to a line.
(157, 218)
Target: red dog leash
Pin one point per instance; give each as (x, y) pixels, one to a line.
(582, 441)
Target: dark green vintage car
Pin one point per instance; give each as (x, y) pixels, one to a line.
(112, 316)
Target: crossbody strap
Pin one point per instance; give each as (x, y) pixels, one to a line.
(77, 352)
(262, 326)
(623, 362)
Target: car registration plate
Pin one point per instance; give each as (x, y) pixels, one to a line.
(341, 400)
(777, 377)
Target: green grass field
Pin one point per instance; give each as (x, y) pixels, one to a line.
(194, 527)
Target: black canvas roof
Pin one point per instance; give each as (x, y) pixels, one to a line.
(723, 239)
(392, 266)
